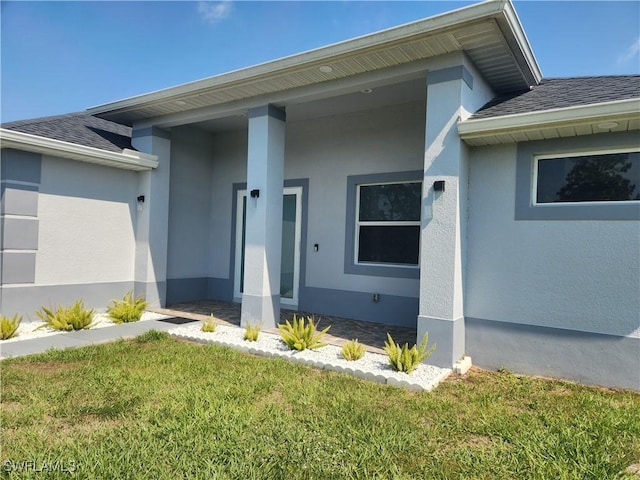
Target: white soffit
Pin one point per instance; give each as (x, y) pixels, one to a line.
(489, 33)
(553, 123)
(128, 159)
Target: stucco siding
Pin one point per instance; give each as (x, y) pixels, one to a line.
(580, 275)
(229, 168)
(73, 238)
(325, 151)
(190, 190)
(86, 216)
(328, 150)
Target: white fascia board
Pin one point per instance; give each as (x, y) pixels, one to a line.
(532, 70)
(128, 159)
(558, 117)
(322, 55)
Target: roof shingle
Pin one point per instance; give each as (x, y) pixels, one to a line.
(79, 128)
(554, 93)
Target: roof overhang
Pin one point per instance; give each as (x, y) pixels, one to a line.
(128, 159)
(618, 116)
(489, 33)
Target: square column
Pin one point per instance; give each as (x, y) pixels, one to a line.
(263, 224)
(152, 220)
(442, 255)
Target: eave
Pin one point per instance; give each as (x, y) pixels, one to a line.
(489, 33)
(128, 159)
(554, 123)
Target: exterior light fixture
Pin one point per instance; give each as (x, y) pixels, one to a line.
(255, 193)
(607, 125)
(140, 201)
(366, 90)
(438, 186)
(325, 69)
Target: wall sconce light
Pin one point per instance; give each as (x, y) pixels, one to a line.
(438, 186)
(140, 201)
(255, 193)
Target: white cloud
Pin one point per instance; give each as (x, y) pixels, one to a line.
(631, 53)
(213, 12)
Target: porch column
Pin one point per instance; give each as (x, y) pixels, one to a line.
(152, 217)
(263, 231)
(441, 255)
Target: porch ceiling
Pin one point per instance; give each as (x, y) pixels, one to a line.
(489, 33)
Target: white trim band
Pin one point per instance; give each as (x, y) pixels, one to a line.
(128, 159)
(557, 117)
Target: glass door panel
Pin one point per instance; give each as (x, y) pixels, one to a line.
(290, 258)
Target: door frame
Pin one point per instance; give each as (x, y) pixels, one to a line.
(238, 261)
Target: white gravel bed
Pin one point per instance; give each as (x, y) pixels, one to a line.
(373, 366)
(31, 330)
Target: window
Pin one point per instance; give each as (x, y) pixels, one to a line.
(388, 224)
(611, 176)
(530, 207)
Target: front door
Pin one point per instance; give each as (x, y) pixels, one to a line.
(290, 262)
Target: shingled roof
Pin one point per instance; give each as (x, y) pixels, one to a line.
(79, 128)
(553, 93)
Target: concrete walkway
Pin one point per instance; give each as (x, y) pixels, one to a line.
(80, 338)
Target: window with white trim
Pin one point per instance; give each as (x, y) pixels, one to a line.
(388, 224)
(597, 176)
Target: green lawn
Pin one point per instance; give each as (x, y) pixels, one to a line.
(160, 408)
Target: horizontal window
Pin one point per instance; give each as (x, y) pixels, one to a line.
(388, 224)
(594, 177)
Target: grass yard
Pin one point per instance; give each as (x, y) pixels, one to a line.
(160, 408)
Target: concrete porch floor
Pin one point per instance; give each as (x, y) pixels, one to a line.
(372, 335)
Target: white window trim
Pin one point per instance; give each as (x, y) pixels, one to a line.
(573, 154)
(378, 223)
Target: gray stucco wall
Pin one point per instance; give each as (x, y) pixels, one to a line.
(190, 192)
(579, 276)
(325, 151)
(85, 246)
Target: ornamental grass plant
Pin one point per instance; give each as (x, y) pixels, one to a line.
(299, 335)
(127, 310)
(75, 317)
(208, 326)
(252, 332)
(352, 350)
(405, 359)
(9, 326)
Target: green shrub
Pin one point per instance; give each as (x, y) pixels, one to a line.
(353, 350)
(75, 317)
(299, 336)
(406, 359)
(252, 332)
(127, 310)
(9, 326)
(209, 326)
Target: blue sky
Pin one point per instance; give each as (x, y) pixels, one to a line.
(60, 57)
